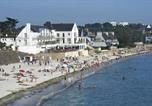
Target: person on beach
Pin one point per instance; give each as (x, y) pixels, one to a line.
(65, 78)
(45, 63)
(19, 66)
(3, 70)
(40, 63)
(79, 85)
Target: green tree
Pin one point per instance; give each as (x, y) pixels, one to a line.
(8, 26)
(48, 25)
(107, 26)
(126, 35)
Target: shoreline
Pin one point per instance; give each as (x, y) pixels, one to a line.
(16, 95)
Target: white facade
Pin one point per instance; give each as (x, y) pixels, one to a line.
(149, 26)
(8, 41)
(34, 42)
(69, 37)
(123, 23)
(113, 23)
(27, 37)
(119, 23)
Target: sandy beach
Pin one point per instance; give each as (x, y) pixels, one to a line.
(20, 76)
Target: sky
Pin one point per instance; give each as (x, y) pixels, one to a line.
(79, 11)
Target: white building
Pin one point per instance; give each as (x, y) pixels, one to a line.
(113, 23)
(119, 23)
(148, 26)
(34, 39)
(9, 40)
(123, 23)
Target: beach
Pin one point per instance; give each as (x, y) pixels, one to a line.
(120, 83)
(19, 77)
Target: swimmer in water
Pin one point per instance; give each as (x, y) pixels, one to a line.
(123, 78)
(94, 86)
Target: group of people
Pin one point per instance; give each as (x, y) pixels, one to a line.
(48, 68)
(3, 74)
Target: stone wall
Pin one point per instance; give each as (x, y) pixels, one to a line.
(8, 57)
(59, 55)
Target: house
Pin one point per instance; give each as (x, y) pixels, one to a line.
(119, 23)
(35, 39)
(110, 39)
(148, 29)
(148, 38)
(99, 41)
(123, 23)
(105, 39)
(113, 23)
(9, 40)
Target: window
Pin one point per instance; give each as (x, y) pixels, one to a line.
(69, 40)
(26, 35)
(26, 42)
(75, 39)
(69, 34)
(58, 34)
(75, 33)
(63, 40)
(58, 40)
(63, 35)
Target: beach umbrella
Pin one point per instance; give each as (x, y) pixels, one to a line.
(21, 74)
(22, 70)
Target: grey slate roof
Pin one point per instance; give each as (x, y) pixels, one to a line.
(57, 27)
(63, 27)
(105, 37)
(109, 37)
(36, 28)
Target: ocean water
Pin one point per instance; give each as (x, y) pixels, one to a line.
(127, 82)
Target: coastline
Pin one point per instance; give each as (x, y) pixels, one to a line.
(16, 95)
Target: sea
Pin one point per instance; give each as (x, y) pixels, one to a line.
(125, 82)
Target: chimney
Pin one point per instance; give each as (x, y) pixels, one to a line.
(28, 27)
